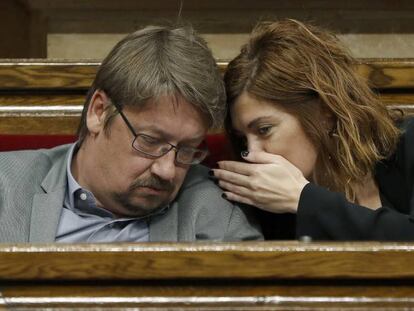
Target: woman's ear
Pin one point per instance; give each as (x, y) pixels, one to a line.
(95, 117)
(328, 119)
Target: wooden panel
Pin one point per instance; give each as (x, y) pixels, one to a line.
(388, 74)
(272, 260)
(397, 99)
(78, 76)
(217, 4)
(29, 99)
(106, 16)
(38, 125)
(214, 276)
(231, 296)
(46, 75)
(14, 30)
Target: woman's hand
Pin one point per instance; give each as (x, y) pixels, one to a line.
(269, 182)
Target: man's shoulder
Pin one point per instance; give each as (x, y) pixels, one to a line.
(212, 217)
(196, 175)
(200, 192)
(198, 179)
(15, 161)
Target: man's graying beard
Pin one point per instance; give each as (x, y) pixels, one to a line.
(153, 182)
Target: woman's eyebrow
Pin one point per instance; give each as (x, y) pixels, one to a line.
(255, 122)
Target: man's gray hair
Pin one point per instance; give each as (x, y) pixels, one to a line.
(157, 61)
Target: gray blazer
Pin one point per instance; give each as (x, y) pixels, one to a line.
(33, 186)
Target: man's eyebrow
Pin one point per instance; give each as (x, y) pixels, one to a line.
(167, 136)
(193, 140)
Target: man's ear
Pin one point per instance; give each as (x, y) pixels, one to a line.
(95, 117)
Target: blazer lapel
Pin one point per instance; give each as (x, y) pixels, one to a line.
(47, 206)
(164, 227)
(46, 211)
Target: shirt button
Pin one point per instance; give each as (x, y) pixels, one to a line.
(83, 196)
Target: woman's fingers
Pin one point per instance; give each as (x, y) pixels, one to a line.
(237, 198)
(237, 167)
(239, 190)
(231, 177)
(274, 186)
(262, 157)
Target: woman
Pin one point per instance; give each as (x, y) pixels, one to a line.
(315, 140)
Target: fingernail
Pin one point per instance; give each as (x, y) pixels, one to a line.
(211, 172)
(244, 153)
(224, 196)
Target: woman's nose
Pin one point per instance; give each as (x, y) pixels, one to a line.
(254, 144)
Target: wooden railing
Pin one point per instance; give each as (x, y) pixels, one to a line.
(47, 96)
(209, 276)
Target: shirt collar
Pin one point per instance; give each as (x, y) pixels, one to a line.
(72, 183)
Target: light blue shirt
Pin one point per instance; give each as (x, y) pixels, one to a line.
(83, 221)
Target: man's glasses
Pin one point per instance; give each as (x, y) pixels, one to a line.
(156, 148)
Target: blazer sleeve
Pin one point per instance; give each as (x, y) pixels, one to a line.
(242, 224)
(204, 215)
(326, 215)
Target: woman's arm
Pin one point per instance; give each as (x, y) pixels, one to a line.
(326, 215)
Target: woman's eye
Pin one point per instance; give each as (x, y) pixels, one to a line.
(264, 130)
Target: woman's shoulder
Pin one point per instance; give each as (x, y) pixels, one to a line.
(406, 142)
(403, 157)
(407, 125)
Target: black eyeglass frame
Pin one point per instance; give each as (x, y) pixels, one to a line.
(204, 152)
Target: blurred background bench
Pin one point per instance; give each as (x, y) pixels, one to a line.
(41, 100)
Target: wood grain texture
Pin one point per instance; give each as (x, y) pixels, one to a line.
(65, 75)
(214, 276)
(46, 75)
(258, 260)
(388, 73)
(47, 99)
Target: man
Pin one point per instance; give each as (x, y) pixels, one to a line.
(133, 174)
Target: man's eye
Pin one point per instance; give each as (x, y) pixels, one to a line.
(150, 140)
(264, 130)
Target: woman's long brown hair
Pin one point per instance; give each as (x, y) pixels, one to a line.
(306, 71)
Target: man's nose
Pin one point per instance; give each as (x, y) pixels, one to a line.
(164, 167)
